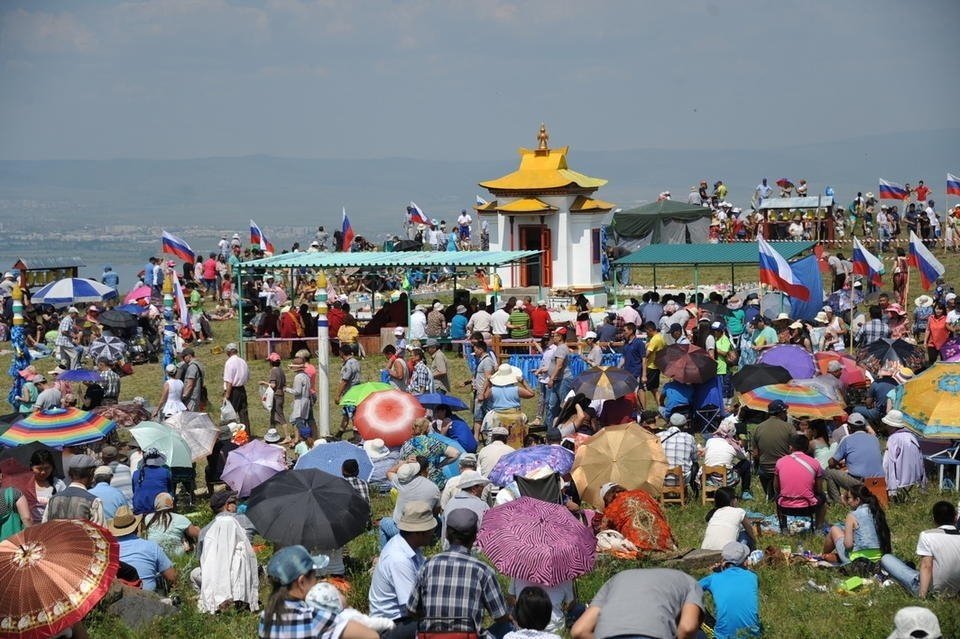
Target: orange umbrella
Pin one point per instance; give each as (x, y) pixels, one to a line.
(852, 374)
(52, 574)
(624, 454)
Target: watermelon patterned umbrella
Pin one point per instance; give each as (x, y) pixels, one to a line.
(537, 541)
(58, 427)
(388, 415)
(801, 401)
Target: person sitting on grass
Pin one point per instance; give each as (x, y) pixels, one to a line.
(864, 533)
(939, 552)
(532, 614)
(727, 522)
(736, 594)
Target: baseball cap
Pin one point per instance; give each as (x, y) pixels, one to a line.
(678, 419)
(81, 461)
(462, 520)
(716, 326)
(220, 499)
(171, 368)
(398, 331)
(232, 346)
(273, 357)
(103, 470)
(590, 335)
(560, 331)
(289, 563)
(776, 406)
(461, 309)
(499, 430)
(857, 419)
(915, 622)
(431, 341)
(734, 553)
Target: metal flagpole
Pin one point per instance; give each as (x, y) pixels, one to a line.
(323, 357)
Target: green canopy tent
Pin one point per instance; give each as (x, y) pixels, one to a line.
(663, 222)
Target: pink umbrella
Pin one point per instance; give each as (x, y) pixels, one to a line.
(138, 293)
(252, 464)
(537, 541)
(388, 415)
(795, 359)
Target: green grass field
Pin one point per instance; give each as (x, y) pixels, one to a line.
(790, 609)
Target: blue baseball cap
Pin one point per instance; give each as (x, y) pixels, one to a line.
(287, 564)
(776, 406)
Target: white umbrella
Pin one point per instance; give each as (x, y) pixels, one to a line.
(197, 429)
(73, 290)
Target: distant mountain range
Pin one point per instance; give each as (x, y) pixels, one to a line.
(225, 192)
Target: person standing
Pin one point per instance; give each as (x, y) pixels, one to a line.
(171, 397)
(277, 381)
(771, 441)
(418, 323)
(193, 386)
(68, 335)
(436, 321)
(300, 390)
(349, 377)
(110, 381)
(540, 319)
(486, 366)
(110, 278)
(438, 366)
(559, 372)
(236, 374)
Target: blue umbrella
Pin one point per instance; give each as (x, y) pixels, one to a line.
(80, 375)
(73, 290)
(133, 309)
(330, 457)
(432, 400)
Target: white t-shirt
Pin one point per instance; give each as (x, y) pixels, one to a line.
(723, 528)
(945, 550)
(717, 451)
(418, 325)
(498, 322)
(559, 595)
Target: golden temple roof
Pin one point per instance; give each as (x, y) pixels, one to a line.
(542, 169)
(526, 205)
(585, 204)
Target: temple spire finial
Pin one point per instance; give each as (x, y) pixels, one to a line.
(543, 137)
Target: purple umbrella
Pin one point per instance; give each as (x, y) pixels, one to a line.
(330, 457)
(799, 363)
(527, 460)
(537, 541)
(252, 464)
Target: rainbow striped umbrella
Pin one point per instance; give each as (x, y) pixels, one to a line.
(537, 541)
(58, 427)
(801, 401)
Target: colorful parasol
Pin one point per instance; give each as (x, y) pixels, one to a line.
(389, 415)
(138, 293)
(52, 575)
(686, 363)
(356, 394)
(526, 460)
(801, 401)
(930, 402)
(605, 382)
(754, 375)
(797, 360)
(330, 457)
(537, 541)
(637, 516)
(58, 427)
(884, 351)
(852, 374)
(252, 464)
(197, 430)
(73, 290)
(108, 347)
(625, 454)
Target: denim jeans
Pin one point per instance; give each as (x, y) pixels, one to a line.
(553, 403)
(903, 574)
(388, 529)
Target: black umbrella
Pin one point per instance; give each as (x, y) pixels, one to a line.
(754, 376)
(22, 454)
(605, 382)
(407, 245)
(308, 507)
(886, 351)
(117, 319)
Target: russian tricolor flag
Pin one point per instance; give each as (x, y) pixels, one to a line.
(892, 191)
(417, 216)
(776, 271)
(920, 256)
(347, 232)
(257, 238)
(953, 185)
(866, 263)
(175, 246)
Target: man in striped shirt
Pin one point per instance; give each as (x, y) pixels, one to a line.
(67, 339)
(110, 382)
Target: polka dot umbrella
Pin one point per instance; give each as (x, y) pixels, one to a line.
(388, 415)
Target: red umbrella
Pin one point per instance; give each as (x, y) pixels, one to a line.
(537, 541)
(686, 363)
(784, 183)
(388, 415)
(852, 374)
(52, 574)
(138, 293)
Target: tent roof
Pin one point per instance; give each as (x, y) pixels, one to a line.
(638, 222)
(371, 259)
(707, 254)
(807, 202)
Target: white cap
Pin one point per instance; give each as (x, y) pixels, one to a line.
(590, 335)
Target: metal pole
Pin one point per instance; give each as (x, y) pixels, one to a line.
(696, 285)
(323, 357)
(654, 277)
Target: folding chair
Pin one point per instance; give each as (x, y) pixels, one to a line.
(545, 489)
(708, 418)
(676, 491)
(948, 457)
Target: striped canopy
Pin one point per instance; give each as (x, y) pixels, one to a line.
(801, 401)
(58, 427)
(73, 290)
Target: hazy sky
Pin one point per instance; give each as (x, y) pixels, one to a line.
(458, 79)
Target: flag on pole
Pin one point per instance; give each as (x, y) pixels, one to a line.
(481, 201)
(866, 263)
(920, 256)
(417, 216)
(175, 246)
(822, 261)
(346, 232)
(953, 185)
(257, 238)
(892, 191)
(181, 302)
(776, 271)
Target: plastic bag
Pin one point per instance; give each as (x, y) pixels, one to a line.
(266, 398)
(227, 412)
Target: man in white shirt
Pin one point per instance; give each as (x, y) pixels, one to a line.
(236, 374)
(418, 323)
(939, 552)
(481, 321)
(491, 453)
(763, 190)
(398, 567)
(499, 321)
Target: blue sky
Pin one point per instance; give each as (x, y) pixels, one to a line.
(461, 79)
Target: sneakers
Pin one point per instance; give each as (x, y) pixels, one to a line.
(746, 496)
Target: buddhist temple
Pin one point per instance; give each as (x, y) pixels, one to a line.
(544, 205)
